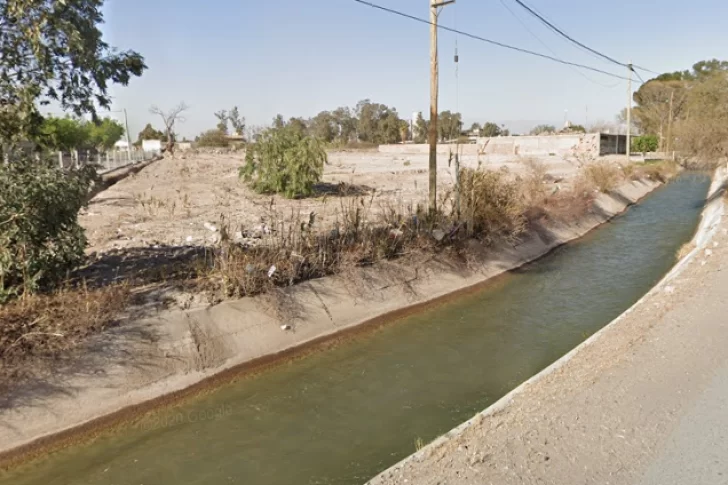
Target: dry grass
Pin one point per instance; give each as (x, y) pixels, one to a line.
(42, 327)
(661, 171)
(492, 205)
(604, 176)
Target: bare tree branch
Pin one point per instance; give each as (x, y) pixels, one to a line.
(170, 118)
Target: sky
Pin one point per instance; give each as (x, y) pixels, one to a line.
(299, 58)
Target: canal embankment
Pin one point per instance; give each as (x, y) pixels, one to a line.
(171, 355)
(638, 402)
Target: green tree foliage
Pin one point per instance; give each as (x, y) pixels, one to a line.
(574, 129)
(213, 138)
(679, 101)
(66, 134)
(54, 51)
(104, 134)
(237, 121)
(491, 129)
(149, 133)
(449, 125)
(543, 130)
(324, 127)
(222, 121)
(377, 123)
(284, 161)
(645, 143)
(345, 124)
(40, 238)
(421, 128)
(702, 136)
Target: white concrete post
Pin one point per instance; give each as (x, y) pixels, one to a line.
(60, 159)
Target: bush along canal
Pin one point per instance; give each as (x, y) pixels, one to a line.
(343, 415)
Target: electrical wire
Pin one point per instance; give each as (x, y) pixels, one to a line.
(553, 27)
(489, 41)
(523, 24)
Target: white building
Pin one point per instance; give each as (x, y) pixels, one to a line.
(154, 146)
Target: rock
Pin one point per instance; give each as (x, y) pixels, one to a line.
(395, 233)
(708, 252)
(438, 234)
(286, 327)
(189, 239)
(272, 271)
(210, 227)
(239, 235)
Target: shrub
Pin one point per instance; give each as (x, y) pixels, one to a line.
(645, 143)
(213, 138)
(40, 238)
(602, 175)
(491, 204)
(284, 161)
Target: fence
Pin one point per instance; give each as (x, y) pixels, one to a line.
(106, 161)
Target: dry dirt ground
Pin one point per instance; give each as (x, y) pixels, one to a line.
(186, 201)
(646, 403)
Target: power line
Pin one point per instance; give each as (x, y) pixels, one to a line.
(523, 24)
(573, 40)
(489, 41)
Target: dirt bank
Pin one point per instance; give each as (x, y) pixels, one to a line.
(156, 354)
(607, 411)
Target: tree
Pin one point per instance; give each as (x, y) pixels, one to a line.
(421, 129)
(63, 134)
(237, 121)
(345, 124)
(170, 118)
(284, 160)
(104, 134)
(149, 133)
(41, 239)
(449, 125)
(298, 125)
(54, 51)
(377, 123)
(491, 129)
(279, 122)
(543, 130)
(323, 126)
(475, 128)
(222, 121)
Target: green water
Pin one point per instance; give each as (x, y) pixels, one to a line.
(342, 416)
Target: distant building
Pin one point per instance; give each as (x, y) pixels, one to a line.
(154, 146)
(121, 145)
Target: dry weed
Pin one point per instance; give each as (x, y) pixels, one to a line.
(604, 176)
(45, 326)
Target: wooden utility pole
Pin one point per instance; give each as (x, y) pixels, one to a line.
(434, 88)
(629, 112)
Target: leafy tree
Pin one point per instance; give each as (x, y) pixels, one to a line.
(574, 129)
(104, 134)
(345, 124)
(63, 134)
(324, 127)
(543, 130)
(279, 122)
(54, 51)
(285, 161)
(149, 133)
(222, 121)
(298, 125)
(41, 239)
(491, 129)
(377, 123)
(213, 138)
(449, 125)
(237, 121)
(421, 129)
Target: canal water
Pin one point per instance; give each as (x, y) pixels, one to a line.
(343, 415)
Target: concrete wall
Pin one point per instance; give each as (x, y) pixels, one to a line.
(559, 145)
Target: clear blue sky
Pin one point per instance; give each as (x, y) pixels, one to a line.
(300, 57)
